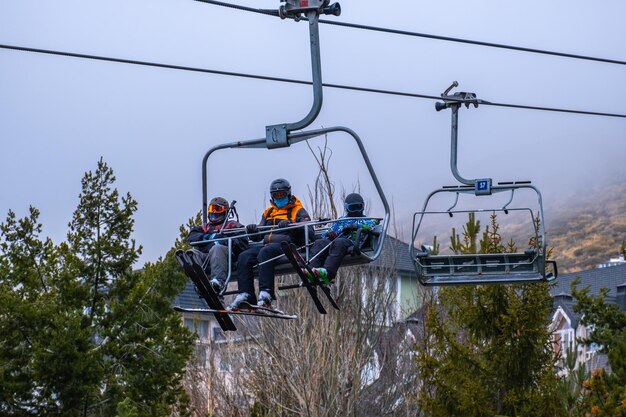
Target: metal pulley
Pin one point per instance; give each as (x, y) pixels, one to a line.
(296, 8)
(457, 99)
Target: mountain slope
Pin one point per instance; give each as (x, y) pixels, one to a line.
(589, 231)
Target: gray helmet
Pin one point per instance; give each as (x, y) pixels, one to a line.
(217, 210)
(220, 202)
(280, 184)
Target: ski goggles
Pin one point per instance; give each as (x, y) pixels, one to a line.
(354, 207)
(217, 208)
(280, 194)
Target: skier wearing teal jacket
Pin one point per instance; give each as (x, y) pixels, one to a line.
(336, 242)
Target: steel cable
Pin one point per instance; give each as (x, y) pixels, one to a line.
(424, 35)
(290, 80)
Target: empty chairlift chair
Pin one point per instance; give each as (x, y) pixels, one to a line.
(480, 268)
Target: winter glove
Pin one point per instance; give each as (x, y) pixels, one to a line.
(251, 229)
(352, 227)
(283, 223)
(220, 242)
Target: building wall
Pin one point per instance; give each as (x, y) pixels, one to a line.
(410, 295)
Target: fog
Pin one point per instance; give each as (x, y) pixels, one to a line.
(59, 115)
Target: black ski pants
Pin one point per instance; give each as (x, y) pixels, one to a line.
(245, 272)
(332, 256)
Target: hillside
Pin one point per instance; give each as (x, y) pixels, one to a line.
(582, 232)
(586, 232)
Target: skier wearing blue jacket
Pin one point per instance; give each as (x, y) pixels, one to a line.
(336, 242)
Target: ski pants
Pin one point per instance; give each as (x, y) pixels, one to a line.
(245, 272)
(332, 256)
(215, 263)
(218, 259)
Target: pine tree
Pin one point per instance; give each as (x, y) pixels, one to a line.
(571, 384)
(38, 339)
(488, 351)
(85, 334)
(604, 394)
(129, 314)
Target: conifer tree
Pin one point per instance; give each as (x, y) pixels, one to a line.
(129, 313)
(604, 393)
(40, 335)
(572, 383)
(488, 352)
(87, 335)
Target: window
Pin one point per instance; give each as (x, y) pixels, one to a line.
(567, 339)
(189, 325)
(218, 334)
(201, 327)
(200, 355)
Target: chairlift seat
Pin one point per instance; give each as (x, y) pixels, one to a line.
(484, 268)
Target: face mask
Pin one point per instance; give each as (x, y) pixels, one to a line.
(216, 217)
(281, 202)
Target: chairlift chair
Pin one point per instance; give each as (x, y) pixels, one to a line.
(287, 134)
(479, 268)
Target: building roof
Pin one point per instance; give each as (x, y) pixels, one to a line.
(596, 279)
(189, 298)
(395, 253)
(566, 302)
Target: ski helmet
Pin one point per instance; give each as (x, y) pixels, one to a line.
(280, 186)
(218, 208)
(354, 204)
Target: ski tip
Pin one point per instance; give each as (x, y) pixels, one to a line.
(180, 257)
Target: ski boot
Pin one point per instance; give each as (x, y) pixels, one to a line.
(217, 285)
(265, 299)
(243, 300)
(320, 273)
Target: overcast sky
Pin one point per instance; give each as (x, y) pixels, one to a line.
(59, 115)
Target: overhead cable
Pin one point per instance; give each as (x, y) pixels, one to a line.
(289, 80)
(424, 35)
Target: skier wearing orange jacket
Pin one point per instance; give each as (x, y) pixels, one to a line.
(285, 210)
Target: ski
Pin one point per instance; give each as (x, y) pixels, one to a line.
(198, 277)
(246, 311)
(295, 261)
(305, 265)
